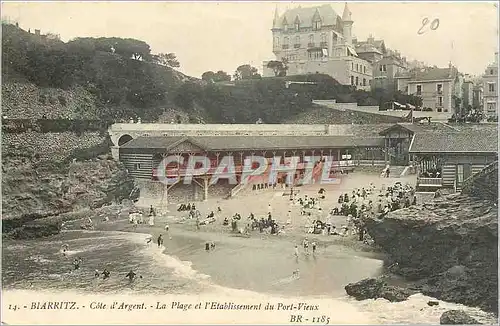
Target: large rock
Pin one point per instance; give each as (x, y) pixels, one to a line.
(450, 242)
(457, 317)
(372, 288)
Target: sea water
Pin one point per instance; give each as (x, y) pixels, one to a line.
(253, 271)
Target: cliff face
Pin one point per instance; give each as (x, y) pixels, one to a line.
(51, 190)
(449, 243)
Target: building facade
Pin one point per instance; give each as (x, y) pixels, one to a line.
(467, 92)
(438, 87)
(386, 69)
(490, 90)
(317, 40)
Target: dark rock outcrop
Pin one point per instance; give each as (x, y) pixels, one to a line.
(372, 288)
(449, 243)
(457, 317)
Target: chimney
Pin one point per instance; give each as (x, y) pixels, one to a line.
(37, 32)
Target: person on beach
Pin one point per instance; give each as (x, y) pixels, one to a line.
(305, 244)
(149, 240)
(160, 240)
(296, 273)
(96, 274)
(76, 263)
(198, 223)
(207, 246)
(64, 247)
(296, 253)
(131, 275)
(314, 247)
(105, 274)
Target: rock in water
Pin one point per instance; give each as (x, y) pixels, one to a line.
(372, 288)
(450, 244)
(457, 317)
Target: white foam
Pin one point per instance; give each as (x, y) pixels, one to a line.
(179, 268)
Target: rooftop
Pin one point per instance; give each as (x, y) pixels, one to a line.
(225, 143)
(465, 140)
(306, 14)
(430, 74)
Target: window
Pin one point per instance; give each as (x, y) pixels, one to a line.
(491, 87)
(364, 81)
(384, 67)
(352, 65)
(285, 27)
(277, 42)
(380, 68)
(491, 108)
(311, 40)
(137, 166)
(357, 81)
(357, 69)
(285, 41)
(364, 69)
(317, 25)
(491, 71)
(419, 89)
(440, 101)
(352, 80)
(439, 88)
(297, 41)
(297, 27)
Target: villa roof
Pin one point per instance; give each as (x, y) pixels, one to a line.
(306, 15)
(464, 141)
(225, 143)
(430, 74)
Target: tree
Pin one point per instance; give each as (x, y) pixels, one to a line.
(215, 77)
(208, 76)
(246, 72)
(279, 67)
(222, 76)
(166, 59)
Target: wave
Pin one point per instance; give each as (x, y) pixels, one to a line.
(179, 268)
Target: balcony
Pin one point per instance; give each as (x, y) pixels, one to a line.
(323, 44)
(297, 46)
(310, 45)
(285, 46)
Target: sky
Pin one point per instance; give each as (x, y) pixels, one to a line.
(223, 35)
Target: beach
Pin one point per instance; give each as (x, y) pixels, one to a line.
(239, 269)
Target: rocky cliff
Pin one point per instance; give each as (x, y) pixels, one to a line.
(450, 244)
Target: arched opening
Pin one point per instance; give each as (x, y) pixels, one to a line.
(124, 139)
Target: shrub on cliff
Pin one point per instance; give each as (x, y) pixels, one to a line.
(126, 78)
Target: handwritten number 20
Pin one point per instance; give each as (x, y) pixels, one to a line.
(434, 25)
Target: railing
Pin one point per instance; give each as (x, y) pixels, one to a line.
(310, 45)
(297, 46)
(285, 46)
(429, 182)
(323, 44)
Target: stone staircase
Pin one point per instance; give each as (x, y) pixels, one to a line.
(483, 184)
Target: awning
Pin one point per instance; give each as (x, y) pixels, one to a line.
(410, 106)
(398, 104)
(325, 52)
(352, 51)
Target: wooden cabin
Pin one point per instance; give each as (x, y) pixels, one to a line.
(446, 159)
